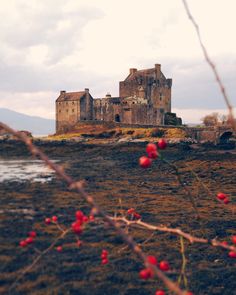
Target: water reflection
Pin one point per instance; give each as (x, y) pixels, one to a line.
(22, 170)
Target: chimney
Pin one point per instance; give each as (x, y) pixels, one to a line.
(132, 71)
(158, 67)
(62, 92)
(86, 90)
(108, 95)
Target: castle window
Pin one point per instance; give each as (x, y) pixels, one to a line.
(73, 110)
(117, 118)
(59, 111)
(67, 110)
(140, 80)
(160, 96)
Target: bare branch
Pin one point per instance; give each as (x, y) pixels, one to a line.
(212, 66)
(36, 260)
(175, 231)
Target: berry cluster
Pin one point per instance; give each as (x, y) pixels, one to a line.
(148, 273)
(53, 219)
(223, 198)
(29, 240)
(133, 213)
(232, 254)
(104, 256)
(78, 225)
(152, 153)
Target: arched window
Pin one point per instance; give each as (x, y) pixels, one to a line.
(117, 118)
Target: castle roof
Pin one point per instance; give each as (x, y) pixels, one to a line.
(67, 96)
(145, 73)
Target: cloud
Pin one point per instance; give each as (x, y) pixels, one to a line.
(60, 30)
(194, 84)
(78, 44)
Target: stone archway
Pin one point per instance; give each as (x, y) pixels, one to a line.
(224, 137)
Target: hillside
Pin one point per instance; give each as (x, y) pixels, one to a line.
(19, 121)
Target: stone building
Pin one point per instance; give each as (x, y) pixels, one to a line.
(144, 98)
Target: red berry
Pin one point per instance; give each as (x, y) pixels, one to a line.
(85, 219)
(224, 243)
(160, 292)
(145, 162)
(189, 293)
(130, 211)
(233, 239)
(221, 196)
(79, 243)
(136, 215)
(151, 147)
(54, 218)
(103, 256)
(164, 265)
(76, 227)
(152, 260)
(226, 200)
(145, 274)
(23, 243)
(59, 249)
(153, 155)
(32, 234)
(162, 144)
(79, 215)
(29, 240)
(105, 252)
(232, 254)
(47, 220)
(91, 218)
(104, 261)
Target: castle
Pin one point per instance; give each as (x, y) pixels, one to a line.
(144, 99)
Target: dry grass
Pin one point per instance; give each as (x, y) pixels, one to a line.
(94, 132)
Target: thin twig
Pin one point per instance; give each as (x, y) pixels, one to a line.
(182, 184)
(176, 231)
(36, 260)
(184, 263)
(212, 65)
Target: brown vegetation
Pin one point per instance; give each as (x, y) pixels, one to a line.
(117, 183)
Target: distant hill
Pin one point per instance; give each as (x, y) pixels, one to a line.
(19, 121)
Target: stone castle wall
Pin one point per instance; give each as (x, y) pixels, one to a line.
(144, 98)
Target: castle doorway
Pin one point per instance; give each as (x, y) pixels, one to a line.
(117, 118)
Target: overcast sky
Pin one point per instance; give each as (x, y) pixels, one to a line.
(50, 45)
